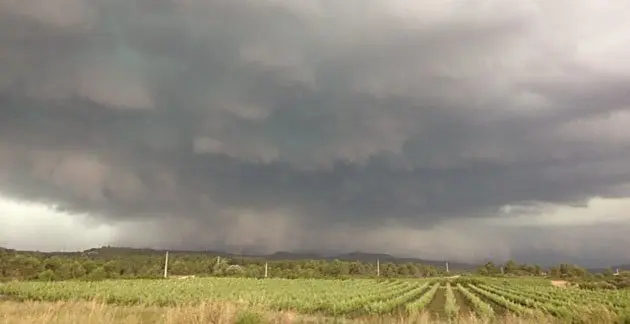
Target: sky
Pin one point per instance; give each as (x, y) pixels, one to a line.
(442, 129)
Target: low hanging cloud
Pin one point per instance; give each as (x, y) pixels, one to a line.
(279, 125)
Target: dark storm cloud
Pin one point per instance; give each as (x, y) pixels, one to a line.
(329, 114)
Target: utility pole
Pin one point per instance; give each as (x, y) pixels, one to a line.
(166, 266)
(266, 269)
(378, 267)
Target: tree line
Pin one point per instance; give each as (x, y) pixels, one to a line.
(101, 264)
(104, 263)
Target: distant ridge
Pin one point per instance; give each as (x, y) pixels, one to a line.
(621, 267)
(366, 257)
(289, 256)
(625, 267)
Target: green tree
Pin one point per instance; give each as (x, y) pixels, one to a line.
(488, 269)
(77, 270)
(97, 274)
(46, 275)
(510, 267)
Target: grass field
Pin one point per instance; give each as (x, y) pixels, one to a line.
(229, 300)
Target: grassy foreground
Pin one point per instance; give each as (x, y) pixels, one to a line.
(241, 300)
(88, 312)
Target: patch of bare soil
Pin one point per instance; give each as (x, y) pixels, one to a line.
(181, 277)
(436, 306)
(464, 308)
(559, 283)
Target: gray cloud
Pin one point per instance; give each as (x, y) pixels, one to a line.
(276, 124)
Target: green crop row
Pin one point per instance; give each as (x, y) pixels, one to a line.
(339, 297)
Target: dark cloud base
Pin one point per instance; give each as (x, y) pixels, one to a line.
(193, 110)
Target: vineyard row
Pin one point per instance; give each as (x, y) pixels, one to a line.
(348, 297)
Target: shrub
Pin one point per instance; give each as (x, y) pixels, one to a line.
(249, 317)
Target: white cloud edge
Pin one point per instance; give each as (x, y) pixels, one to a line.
(30, 226)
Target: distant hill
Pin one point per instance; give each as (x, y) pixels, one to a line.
(352, 256)
(621, 267)
(283, 255)
(367, 257)
(625, 267)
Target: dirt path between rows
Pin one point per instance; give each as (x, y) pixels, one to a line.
(463, 303)
(436, 306)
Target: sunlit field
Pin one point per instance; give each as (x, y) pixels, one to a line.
(229, 300)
